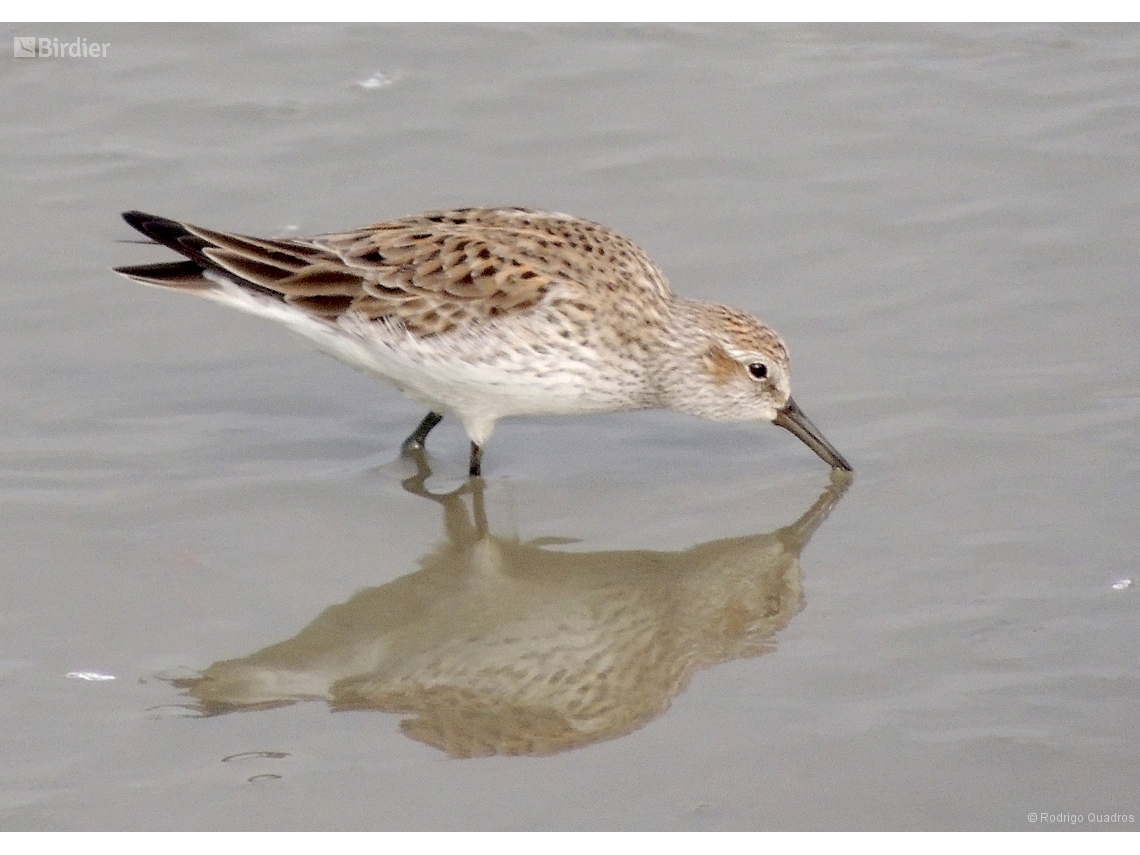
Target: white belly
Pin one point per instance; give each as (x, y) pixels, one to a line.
(503, 369)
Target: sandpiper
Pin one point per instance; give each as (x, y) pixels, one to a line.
(483, 313)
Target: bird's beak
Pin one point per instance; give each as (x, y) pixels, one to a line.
(792, 418)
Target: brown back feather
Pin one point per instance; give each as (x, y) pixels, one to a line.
(431, 273)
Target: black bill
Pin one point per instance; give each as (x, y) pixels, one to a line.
(792, 418)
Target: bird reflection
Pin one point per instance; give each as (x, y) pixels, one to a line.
(500, 647)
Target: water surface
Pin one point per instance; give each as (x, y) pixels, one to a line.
(942, 223)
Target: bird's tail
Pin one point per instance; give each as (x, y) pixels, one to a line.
(182, 275)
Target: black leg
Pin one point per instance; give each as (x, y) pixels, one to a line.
(476, 468)
(419, 435)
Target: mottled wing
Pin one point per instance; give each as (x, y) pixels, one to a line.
(430, 273)
(438, 272)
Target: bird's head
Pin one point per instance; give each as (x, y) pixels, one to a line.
(727, 365)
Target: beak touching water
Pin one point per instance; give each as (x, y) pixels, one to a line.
(792, 418)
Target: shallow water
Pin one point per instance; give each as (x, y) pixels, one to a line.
(621, 631)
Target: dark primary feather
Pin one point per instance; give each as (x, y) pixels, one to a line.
(185, 275)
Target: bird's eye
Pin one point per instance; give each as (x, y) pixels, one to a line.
(758, 370)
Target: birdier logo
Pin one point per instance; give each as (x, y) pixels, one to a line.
(29, 47)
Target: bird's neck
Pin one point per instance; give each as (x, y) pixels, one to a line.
(682, 361)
